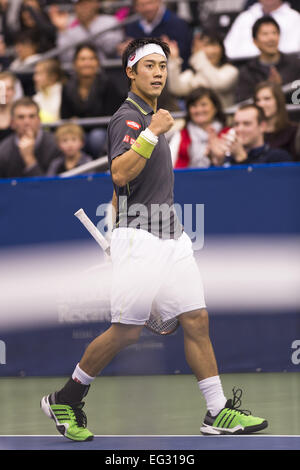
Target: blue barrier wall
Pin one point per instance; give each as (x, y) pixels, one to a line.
(244, 201)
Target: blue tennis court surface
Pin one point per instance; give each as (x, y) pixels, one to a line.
(255, 442)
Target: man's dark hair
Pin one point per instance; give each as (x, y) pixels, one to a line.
(136, 44)
(261, 21)
(261, 117)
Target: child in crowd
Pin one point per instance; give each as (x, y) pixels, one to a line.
(70, 140)
(48, 81)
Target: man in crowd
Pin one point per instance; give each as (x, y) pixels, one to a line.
(238, 42)
(29, 150)
(87, 21)
(158, 21)
(248, 146)
(271, 64)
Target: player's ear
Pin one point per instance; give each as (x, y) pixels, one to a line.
(130, 73)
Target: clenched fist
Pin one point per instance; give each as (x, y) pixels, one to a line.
(161, 122)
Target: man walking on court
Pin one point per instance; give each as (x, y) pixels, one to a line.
(152, 257)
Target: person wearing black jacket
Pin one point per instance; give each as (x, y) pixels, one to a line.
(270, 65)
(88, 94)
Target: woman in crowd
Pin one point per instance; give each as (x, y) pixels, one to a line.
(89, 93)
(48, 80)
(281, 132)
(209, 68)
(205, 117)
(31, 17)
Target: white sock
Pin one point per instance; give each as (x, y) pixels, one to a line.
(81, 377)
(213, 393)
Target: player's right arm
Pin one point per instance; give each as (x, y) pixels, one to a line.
(129, 164)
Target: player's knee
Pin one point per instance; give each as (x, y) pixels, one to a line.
(195, 323)
(129, 334)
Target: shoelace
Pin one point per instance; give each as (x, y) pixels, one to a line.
(79, 415)
(236, 402)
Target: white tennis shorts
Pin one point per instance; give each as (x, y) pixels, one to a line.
(147, 271)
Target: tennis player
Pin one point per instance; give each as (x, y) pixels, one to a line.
(152, 257)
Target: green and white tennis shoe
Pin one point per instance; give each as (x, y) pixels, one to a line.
(232, 420)
(70, 420)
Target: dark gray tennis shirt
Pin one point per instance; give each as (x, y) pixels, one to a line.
(147, 201)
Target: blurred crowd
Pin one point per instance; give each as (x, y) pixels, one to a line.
(232, 75)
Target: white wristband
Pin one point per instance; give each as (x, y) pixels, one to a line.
(148, 135)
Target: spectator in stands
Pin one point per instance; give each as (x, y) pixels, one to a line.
(26, 47)
(29, 150)
(204, 115)
(87, 21)
(7, 96)
(248, 145)
(280, 131)
(158, 21)
(48, 80)
(89, 93)
(293, 3)
(238, 42)
(271, 64)
(32, 17)
(70, 140)
(208, 67)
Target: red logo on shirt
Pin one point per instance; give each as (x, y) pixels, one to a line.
(134, 125)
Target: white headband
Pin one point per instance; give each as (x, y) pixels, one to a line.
(143, 51)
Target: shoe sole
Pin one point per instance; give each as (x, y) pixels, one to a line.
(207, 430)
(46, 408)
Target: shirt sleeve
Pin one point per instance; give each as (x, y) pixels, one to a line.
(123, 130)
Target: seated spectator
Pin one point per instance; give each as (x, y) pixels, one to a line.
(270, 65)
(238, 42)
(70, 140)
(248, 145)
(26, 47)
(280, 131)
(7, 96)
(89, 93)
(87, 21)
(158, 21)
(29, 15)
(204, 115)
(29, 150)
(48, 80)
(208, 67)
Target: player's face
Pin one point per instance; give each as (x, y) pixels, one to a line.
(265, 99)
(26, 118)
(247, 128)
(267, 39)
(202, 111)
(150, 77)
